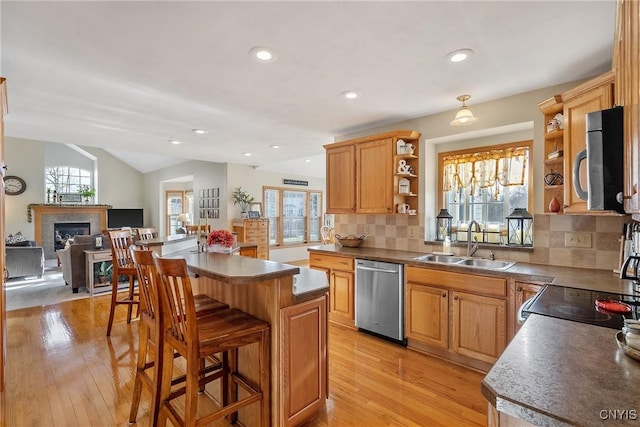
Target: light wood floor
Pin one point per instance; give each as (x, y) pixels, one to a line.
(63, 371)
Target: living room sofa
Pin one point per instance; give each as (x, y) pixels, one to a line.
(72, 261)
(24, 260)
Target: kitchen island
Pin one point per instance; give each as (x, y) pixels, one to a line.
(558, 372)
(293, 300)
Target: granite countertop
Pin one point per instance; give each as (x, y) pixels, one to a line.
(309, 280)
(586, 278)
(558, 372)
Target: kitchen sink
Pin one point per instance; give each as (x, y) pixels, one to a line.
(488, 264)
(445, 259)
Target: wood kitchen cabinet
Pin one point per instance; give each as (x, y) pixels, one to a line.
(474, 307)
(303, 364)
(594, 95)
(524, 291)
(341, 274)
(626, 65)
(370, 176)
(427, 314)
(374, 190)
(341, 179)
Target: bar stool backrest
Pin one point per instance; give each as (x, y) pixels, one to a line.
(121, 240)
(147, 281)
(177, 310)
(146, 233)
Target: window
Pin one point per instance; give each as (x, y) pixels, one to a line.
(66, 179)
(178, 202)
(294, 216)
(485, 184)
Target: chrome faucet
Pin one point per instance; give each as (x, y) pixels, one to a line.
(471, 249)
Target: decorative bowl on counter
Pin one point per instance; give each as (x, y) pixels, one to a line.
(350, 241)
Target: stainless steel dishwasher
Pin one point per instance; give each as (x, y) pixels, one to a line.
(380, 298)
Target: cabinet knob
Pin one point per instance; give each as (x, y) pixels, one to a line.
(519, 289)
(455, 298)
(444, 295)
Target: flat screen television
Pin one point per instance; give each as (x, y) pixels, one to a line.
(118, 218)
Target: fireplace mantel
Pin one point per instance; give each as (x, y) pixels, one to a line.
(44, 215)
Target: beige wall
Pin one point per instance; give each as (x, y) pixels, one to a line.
(120, 187)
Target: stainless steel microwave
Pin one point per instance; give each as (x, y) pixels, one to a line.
(605, 161)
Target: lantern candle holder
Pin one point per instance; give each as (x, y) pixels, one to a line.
(443, 225)
(520, 228)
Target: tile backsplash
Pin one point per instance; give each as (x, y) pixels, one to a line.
(404, 232)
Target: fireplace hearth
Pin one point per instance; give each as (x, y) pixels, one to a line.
(68, 230)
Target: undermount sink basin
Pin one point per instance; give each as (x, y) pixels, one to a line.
(487, 263)
(466, 262)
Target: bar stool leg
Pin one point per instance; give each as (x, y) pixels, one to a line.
(114, 299)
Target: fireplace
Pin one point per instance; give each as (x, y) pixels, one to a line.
(63, 231)
(45, 216)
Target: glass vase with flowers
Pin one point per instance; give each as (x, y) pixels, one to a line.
(220, 241)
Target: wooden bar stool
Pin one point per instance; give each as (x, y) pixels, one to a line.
(197, 337)
(148, 372)
(122, 266)
(146, 233)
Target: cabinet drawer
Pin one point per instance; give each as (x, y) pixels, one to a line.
(331, 262)
(461, 281)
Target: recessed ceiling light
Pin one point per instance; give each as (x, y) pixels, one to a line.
(174, 142)
(307, 160)
(459, 55)
(199, 131)
(349, 94)
(263, 54)
(275, 146)
(246, 154)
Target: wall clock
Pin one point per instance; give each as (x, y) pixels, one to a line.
(14, 185)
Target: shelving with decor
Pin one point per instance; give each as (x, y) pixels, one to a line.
(406, 164)
(553, 153)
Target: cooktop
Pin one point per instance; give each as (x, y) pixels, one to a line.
(579, 305)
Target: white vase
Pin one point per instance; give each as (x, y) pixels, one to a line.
(243, 215)
(219, 249)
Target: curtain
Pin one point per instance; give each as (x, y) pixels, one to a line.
(486, 169)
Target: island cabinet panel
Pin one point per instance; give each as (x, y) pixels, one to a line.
(374, 186)
(479, 326)
(304, 360)
(459, 316)
(594, 95)
(341, 180)
(523, 291)
(426, 314)
(340, 272)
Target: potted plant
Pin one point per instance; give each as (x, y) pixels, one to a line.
(242, 198)
(86, 192)
(104, 273)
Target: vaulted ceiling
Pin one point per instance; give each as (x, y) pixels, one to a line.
(130, 76)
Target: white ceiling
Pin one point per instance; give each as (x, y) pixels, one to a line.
(129, 76)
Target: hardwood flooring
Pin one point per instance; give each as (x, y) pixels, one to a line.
(63, 371)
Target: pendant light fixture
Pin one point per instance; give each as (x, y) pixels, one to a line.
(464, 116)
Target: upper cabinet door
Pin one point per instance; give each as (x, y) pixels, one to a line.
(626, 63)
(341, 179)
(374, 176)
(594, 95)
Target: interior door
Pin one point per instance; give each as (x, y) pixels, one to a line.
(3, 295)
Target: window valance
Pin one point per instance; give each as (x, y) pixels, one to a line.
(504, 167)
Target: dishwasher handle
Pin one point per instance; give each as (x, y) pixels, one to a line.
(379, 270)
